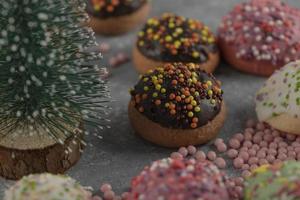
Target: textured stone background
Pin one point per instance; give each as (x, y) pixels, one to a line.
(121, 155)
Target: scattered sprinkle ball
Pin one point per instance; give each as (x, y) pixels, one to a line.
(173, 38)
(178, 96)
(179, 179)
(278, 181)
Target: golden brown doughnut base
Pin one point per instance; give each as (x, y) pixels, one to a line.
(261, 68)
(121, 24)
(144, 64)
(285, 123)
(16, 163)
(169, 137)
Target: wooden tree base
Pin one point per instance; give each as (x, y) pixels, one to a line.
(16, 163)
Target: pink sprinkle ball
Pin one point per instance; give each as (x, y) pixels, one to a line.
(218, 141)
(222, 147)
(238, 162)
(244, 155)
(96, 198)
(234, 143)
(183, 151)
(220, 162)
(211, 155)
(232, 153)
(105, 187)
(176, 155)
(200, 156)
(192, 150)
(109, 195)
(239, 136)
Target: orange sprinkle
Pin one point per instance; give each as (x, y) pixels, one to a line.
(141, 109)
(178, 98)
(173, 112)
(195, 120)
(172, 96)
(110, 8)
(193, 125)
(190, 107)
(157, 102)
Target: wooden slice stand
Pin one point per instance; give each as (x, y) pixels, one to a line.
(22, 154)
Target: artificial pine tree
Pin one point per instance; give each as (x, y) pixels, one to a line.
(50, 85)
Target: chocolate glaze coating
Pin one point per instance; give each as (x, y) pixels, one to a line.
(191, 41)
(192, 102)
(180, 179)
(124, 7)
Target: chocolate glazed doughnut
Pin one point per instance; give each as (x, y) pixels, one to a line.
(260, 36)
(177, 105)
(173, 38)
(114, 17)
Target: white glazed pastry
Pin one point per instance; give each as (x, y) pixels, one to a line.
(278, 101)
(46, 187)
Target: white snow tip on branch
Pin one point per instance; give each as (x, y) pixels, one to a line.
(43, 16)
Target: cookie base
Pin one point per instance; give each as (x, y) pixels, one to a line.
(169, 137)
(256, 67)
(121, 24)
(144, 64)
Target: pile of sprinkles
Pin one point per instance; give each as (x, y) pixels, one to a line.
(280, 181)
(173, 38)
(264, 30)
(178, 96)
(179, 179)
(109, 8)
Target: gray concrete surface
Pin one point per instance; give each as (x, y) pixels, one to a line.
(120, 155)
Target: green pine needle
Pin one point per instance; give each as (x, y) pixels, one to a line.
(48, 78)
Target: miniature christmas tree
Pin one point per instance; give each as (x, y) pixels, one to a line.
(49, 85)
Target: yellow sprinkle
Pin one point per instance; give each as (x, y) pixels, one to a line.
(191, 114)
(149, 30)
(211, 40)
(141, 43)
(197, 94)
(158, 87)
(177, 44)
(194, 80)
(194, 103)
(261, 169)
(155, 94)
(179, 30)
(213, 101)
(181, 75)
(97, 7)
(204, 32)
(210, 92)
(197, 109)
(209, 83)
(163, 90)
(156, 37)
(196, 54)
(146, 79)
(168, 38)
(141, 33)
(171, 25)
(167, 105)
(146, 88)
